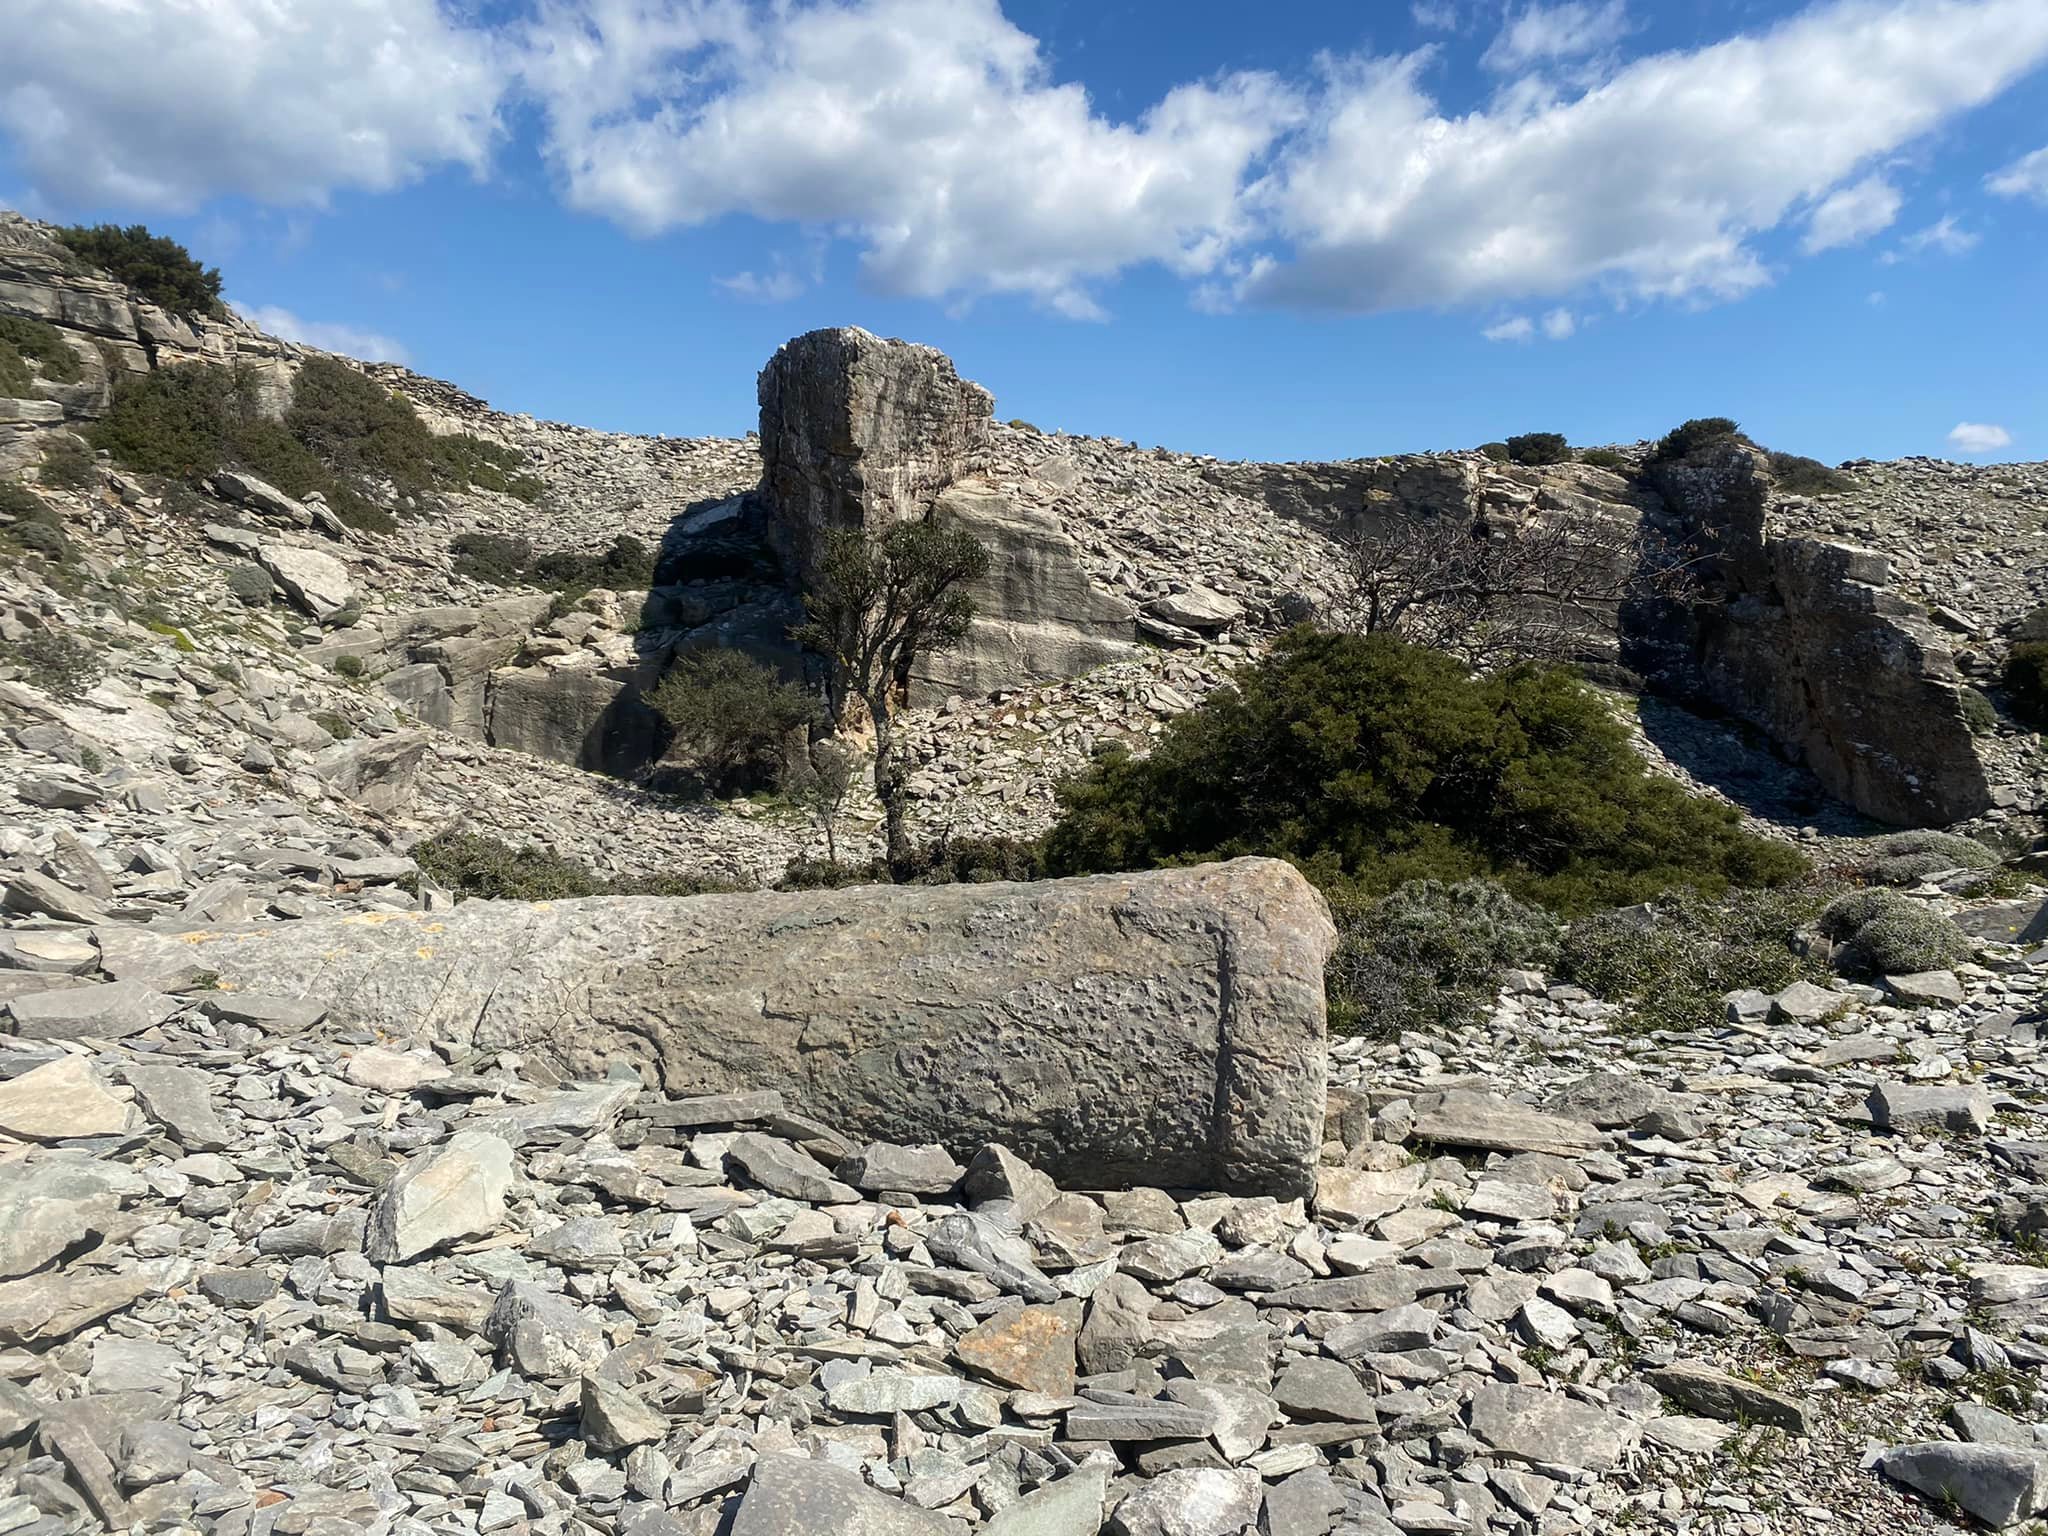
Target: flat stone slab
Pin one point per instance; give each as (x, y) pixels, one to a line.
(1163, 1028)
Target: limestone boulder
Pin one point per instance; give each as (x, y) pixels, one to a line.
(859, 432)
(316, 582)
(1163, 1028)
(1038, 617)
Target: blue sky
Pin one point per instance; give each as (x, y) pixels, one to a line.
(1337, 229)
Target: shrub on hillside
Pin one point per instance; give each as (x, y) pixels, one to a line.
(30, 349)
(1498, 452)
(1688, 437)
(628, 565)
(20, 504)
(155, 266)
(1539, 448)
(1801, 476)
(1368, 760)
(1602, 458)
(1674, 961)
(1893, 935)
(251, 583)
(732, 717)
(345, 437)
(1429, 955)
(62, 667)
(68, 464)
(1902, 858)
(2026, 682)
(1980, 715)
(31, 526)
(471, 864)
(951, 861)
(499, 559)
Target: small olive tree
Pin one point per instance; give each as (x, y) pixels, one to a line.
(877, 602)
(733, 716)
(819, 782)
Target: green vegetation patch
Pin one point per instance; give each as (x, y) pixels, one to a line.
(61, 666)
(1370, 762)
(733, 718)
(345, 437)
(1539, 448)
(1429, 955)
(1893, 935)
(30, 349)
(471, 864)
(1674, 960)
(155, 266)
(502, 560)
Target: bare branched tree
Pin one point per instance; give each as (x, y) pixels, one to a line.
(1494, 589)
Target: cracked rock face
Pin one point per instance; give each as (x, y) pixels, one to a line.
(858, 432)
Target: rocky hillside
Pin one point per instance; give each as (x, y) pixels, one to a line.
(333, 1205)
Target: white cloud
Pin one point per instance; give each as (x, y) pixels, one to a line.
(935, 137)
(1544, 34)
(1851, 215)
(777, 286)
(929, 130)
(1944, 237)
(328, 336)
(1520, 328)
(1975, 437)
(1653, 184)
(1560, 324)
(164, 104)
(2025, 177)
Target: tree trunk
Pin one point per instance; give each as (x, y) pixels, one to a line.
(890, 788)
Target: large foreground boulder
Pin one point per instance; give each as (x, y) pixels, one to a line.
(1164, 1028)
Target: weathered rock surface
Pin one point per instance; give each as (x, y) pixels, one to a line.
(859, 432)
(1160, 1028)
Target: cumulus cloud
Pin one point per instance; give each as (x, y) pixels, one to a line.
(932, 131)
(1545, 34)
(935, 137)
(1852, 215)
(1652, 184)
(1519, 328)
(1976, 437)
(1944, 237)
(1560, 324)
(329, 336)
(2025, 177)
(156, 106)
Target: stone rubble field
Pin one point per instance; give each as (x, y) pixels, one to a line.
(263, 1272)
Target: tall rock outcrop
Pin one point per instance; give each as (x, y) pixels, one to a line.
(1164, 1028)
(858, 432)
(1800, 637)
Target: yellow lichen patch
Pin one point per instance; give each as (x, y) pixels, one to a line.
(425, 951)
(373, 919)
(195, 938)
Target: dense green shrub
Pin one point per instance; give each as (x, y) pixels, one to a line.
(19, 504)
(2026, 682)
(62, 667)
(474, 865)
(69, 464)
(1498, 452)
(350, 665)
(1675, 960)
(31, 526)
(1688, 437)
(344, 438)
(499, 559)
(1602, 458)
(1892, 934)
(1902, 858)
(32, 348)
(1429, 955)
(471, 864)
(1807, 477)
(158, 268)
(2032, 625)
(628, 565)
(1539, 448)
(1366, 759)
(952, 861)
(251, 583)
(732, 717)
